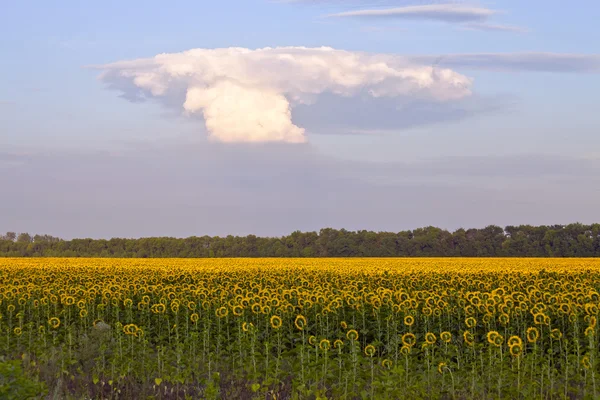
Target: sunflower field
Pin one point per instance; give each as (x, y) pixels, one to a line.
(437, 328)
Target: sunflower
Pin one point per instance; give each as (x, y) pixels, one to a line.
(513, 340)
(470, 322)
(222, 312)
(430, 338)
(54, 322)
(498, 340)
(237, 310)
(585, 362)
(491, 336)
(539, 319)
(352, 334)
(18, 331)
(256, 308)
(312, 340)
(409, 320)
(468, 338)
(338, 344)
(247, 326)
(300, 322)
(409, 339)
(325, 345)
(386, 363)
(370, 350)
(344, 325)
(533, 334)
(446, 337)
(276, 322)
(516, 349)
(441, 367)
(405, 349)
(503, 319)
(556, 334)
(159, 308)
(194, 317)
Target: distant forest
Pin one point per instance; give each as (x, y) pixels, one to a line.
(574, 240)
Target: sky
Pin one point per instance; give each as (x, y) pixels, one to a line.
(147, 118)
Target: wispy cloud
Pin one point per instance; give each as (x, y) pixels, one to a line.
(524, 61)
(466, 16)
(484, 26)
(456, 13)
(379, 29)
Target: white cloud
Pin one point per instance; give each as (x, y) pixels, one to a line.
(247, 95)
(439, 12)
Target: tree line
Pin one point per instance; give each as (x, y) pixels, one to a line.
(573, 240)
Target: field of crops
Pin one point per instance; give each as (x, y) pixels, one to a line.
(304, 328)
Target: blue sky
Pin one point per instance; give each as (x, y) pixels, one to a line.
(68, 125)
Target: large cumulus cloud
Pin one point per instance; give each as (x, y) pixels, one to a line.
(248, 95)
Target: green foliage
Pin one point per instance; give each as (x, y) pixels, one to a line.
(574, 240)
(15, 384)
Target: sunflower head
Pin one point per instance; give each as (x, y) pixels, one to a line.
(54, 322)
(352, 334)
(430, 338)
(409, 320)
(533, 334)
(491, 336)
(247, 326)
(237, 310)
(325, 345)
(468, 338)
(276, 322)
(370, 350)
(386, 363)
(441, 367)
(516, 349)
(555, 334)
(514, 340)
(222, 312)
(446, 337)
(470, 322)
(498, 340)
(585, 362)
(405, 350)
(409, 339)
(300, 322)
